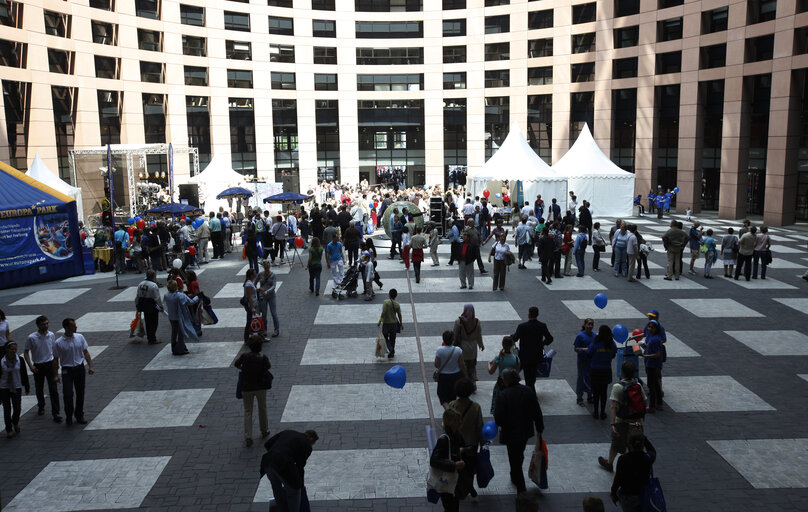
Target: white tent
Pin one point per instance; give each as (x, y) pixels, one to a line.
(516, 161)
(594, 177)
(40, 172)
(216, 177)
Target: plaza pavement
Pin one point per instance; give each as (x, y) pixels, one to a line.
(165, 433)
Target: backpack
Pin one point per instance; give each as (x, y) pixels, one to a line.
(584, 243)
(632, 405)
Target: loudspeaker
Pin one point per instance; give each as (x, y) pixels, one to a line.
(191, 193)
(437, 213)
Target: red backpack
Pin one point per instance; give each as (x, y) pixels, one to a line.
(632, 405)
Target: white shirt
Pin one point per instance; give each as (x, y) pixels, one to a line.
(3, 329)
(468, 209)
(40, 346)
(11, 378)
(527, 210)
(70, 350)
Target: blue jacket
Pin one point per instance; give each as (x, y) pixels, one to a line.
(602, 355)
(454, 235)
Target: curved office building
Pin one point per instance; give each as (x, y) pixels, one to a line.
(706, 95)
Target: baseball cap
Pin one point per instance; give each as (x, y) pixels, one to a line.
(654, 313)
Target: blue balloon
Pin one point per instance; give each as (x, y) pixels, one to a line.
(497, 195)
(490, 430)
(620, 333)
(130, 220)
(601, 300)
(396, 377)
(675, 190)
(197, 222)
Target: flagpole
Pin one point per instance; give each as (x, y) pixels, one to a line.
(112, 211)
(171, 178)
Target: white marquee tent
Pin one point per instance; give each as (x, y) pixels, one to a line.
(594, 177)
(516, 161)
(216, 177)
(40, 172)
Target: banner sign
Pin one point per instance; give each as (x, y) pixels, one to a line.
(41, 236)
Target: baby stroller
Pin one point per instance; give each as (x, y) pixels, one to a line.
(348, 284)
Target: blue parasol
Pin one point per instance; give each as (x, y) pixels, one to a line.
(169, 209)
(287, 198)
(234, 192)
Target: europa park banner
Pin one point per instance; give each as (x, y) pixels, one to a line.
(35, 235)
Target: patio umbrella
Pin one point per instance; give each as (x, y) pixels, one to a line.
(287, 198)
(234, 192)
(174, 210)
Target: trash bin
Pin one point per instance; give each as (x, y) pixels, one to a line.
(89, 263)
(627, 353)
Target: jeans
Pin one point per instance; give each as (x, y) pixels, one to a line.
(580, 385)
(620, 260)
(580, 262)
(287, 490)
(745, 263)
(269, 302)
(337, 272)
(642, 261)
(353, 253)
(177, 339)
(44, 371)
(279, 249)
(546, 269)
(466, 271)
(389, 331)
(708, 264)
(500, 268)
(12, 403)
(557, 263)
(314, 277)
(247, 397)
(516, 457)
(759, 257)
(252, 259)
(523, 252)
(73, 378)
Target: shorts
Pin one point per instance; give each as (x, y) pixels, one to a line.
(624, 429)
(694, 253)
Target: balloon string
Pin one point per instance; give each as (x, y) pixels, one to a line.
(420, 353)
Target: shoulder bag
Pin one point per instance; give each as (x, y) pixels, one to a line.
(441, 481)
(436, 373)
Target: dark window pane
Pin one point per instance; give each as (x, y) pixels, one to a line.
(57, 24)
(284, 53)
(540, 48)
(282, 80)
(540, 19)
(387, 5)
(452, 54)
(497, 78)
(106, 67)
(236, 21)
(583, 72)
(152, 72)
(583, 43)
(452, 28)
(281, 26)
(583, 13)
(324, 28)
(150, 40)
(388, 56)
(325, 55)
(325, 82)
(670, 62)
(713, 56)
(497, 51)
(240, 78)
(196, 76)
(104, 33)
(668, 30)
(758, 11)
(323, 5)
(626, 37)
(453, 4)
(194, 46)
(540, 76)
(454, 80)
(624, 68)
(192, 15)
(497, 24)
(626, 7)
(60, 61)
(715, 20)
(238, 50)
(148, 9)
(759, 48)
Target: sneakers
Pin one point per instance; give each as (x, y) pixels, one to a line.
(605, 465)
(691, 272)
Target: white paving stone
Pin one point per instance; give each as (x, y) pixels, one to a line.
(773, 343)
(780, 238)
(283, 269)
(767, 463)
(803, 376)
(616, 308)
(427, 285)
(677, 348)
(53, 296)
(556, 396)
(152, 409)
(236, 290)
(762, 284)
(658, 282)
(355, 402)
(128, 295)
(573, 283)
(97, 484)
(17, 321)
(800, 304)
(203, 355)
(400, 473)
(711, 394)
(119, 320)
(716, 308)
(346, 313)
(778, 263)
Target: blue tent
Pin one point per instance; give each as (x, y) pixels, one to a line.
(39, 237)
(287, 198)
(174, 209)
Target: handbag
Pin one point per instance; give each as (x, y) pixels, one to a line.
(652, 498)
(767, 257)
(204, 316)
(436, 373)
(381, 344)
(485, 471)
(256, 325)
(510, 259)
(441, 481)
(266, 380)
(238, 385)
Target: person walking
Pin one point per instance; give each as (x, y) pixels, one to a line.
(566, 249)
(632, 252)
(532, 336)
(13, 377)
(468, 335)
(148, 302)
(507, 358)
(267, 281)
(600, 353)
(450, 455)
(417, 246)
(71, 351)
(580, 346)
(746, 250)
(629, 400)
(632, 474)
(451, 367)
(215, 226)
(471, 427)
(284, 463)
(39, 356)
(255, 382)
(761, 254)
(179, 315)
(729, 250)
(335, 261)
(203, 236)
(579, 250)
(5, 330)
(315, 265)
(642, 255)
(498, 252)
(456, 242)
(251, 236)
(434, 243)
(517, 413)
(249, 301)
(467, 255)
(652, 355)
(522, 238)
(280, 234)
(694, 240)
(391, 321)
(351, 238)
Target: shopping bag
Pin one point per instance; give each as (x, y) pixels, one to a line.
(543, 369)
(538, 466)
(439, 481)
(256, 325)
(652, 498)
(136, 327)
(238, 385)
(207, 308)
(243, 253)
(204, 317)
(260, 248)
(381, 344)
(485, 471)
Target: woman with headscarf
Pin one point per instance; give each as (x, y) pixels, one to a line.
(468, 335)
(182, 325)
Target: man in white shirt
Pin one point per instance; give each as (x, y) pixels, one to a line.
(527, 210)
(70, 351)
(468, 210)
(148, 302)
(39, 356)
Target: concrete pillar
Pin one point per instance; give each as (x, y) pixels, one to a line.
(734, 150)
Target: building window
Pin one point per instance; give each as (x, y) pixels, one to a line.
(64, 123)
(540, 125)
(106, 5)
(540, 48)
(17, 104)
(624, 68)
(497, 51)
(497, 24)
(280, 3)
(393, 30)
(583, 13)
(242, 135)
(391, 141)
(666, 112)
(626, 37)
(324, 28)
(497, 78)
(109, 116)
(150, 40)
(57, 24)
(11, 14)
(802, 6)
(104, 33)
(454, 28)
(583, 43)
(664, 4)
(325, 55)
(495, 3)
(670, 62)
(284, 134)
(380, 140)
(196, 76)
(325, 81)
(326, 118)
(13, 54)
(280, 80)
(626, 8)
(449, 5)
(239, 78)
(497, 121)
(152, 72)
(540, 76)
(711, 101)
(413, 82)
(668, 30)
(387, 5)
(281, 26)
(715, 20)
(758, 11)
(282, 53)
(195, 46)
(197, 113)
(582, 112)
(714, 56)
(323, 5)
(454, 80)
(236, 21)
(800, 41)
(454, 141)
(624, 121)
(540, 19)
(148, 9)
(60, 61)
(388, 56)
(238, 50)
(759, 48)
(583, 72)
(107, 67)
(192, 15)
(154, 118)
(454, 54)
